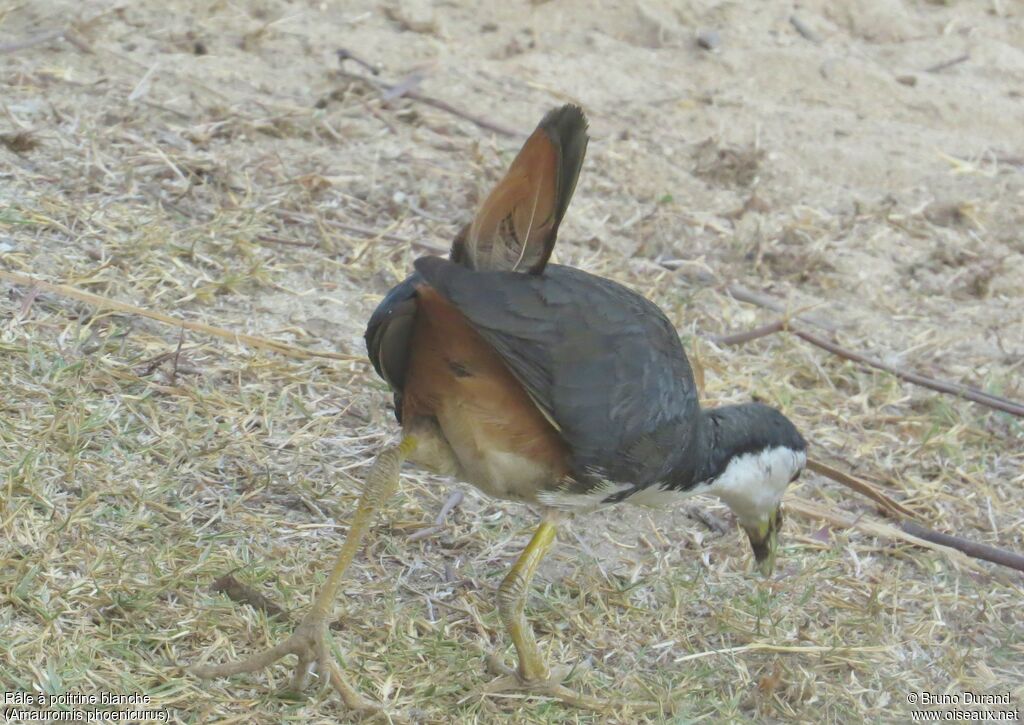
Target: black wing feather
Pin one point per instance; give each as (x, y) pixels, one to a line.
(389, 334)
(602, 362)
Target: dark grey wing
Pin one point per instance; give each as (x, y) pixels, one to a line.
(602, 362)
(389, 333)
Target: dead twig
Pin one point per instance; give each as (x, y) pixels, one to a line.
(449, 108)
(741, 293)
(236, 591)
(148, 367)
(948, 63)
(356, 229)
(804, 29)
(414, 95)
(403, 87)
(15, 46)
(873, 527)
(274, 239)
(975, 395)
(177, 357)
(118, 306)
(973, 549)
(910, 532)
(895, 508)
(440, 523)
(714, 523)
(345, 54)
(738, 338)
(942, 386)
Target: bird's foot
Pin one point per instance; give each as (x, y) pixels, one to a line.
(549, 685)
(509, 680)
(308, 642)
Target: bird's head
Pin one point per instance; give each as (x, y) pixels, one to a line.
(755, 453)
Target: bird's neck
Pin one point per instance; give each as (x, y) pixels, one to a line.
(720, 442)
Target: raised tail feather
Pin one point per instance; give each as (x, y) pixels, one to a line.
(516, 226)
(514, 230)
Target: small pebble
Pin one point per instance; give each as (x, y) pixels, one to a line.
(907, 80)
(709, 40)
(804, 29)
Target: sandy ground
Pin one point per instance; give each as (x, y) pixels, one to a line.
(861, 162)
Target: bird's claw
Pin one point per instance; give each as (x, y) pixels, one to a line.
(308, 642)
(509, 680)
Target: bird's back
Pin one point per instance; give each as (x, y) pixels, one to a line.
(602, 363)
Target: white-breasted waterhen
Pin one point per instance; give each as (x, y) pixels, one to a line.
(542, 383)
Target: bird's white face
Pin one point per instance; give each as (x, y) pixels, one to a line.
(752, 485)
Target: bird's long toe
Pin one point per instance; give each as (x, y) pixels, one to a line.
(508, 680)
(309, 644)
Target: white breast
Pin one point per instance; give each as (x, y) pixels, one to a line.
(753, 483)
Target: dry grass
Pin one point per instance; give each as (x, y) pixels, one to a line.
(135, 473)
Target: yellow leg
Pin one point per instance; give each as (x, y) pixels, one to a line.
(532, 675)
(512, 598)
(309, 640)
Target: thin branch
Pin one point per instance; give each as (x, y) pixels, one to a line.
(871, 526)
(741, 293)
(947, 63)
(15, 46)
(955, 547)
(177, 357)
(973, 549)
(958, 389)
(236, 591)
(345, 54)
(738, 338)
(404, 87)
(440, 522)
(395, 91)
(895, 508)
(236, 337)
(67, 34)
(355, 229)
(942, 386)
(481, 122)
